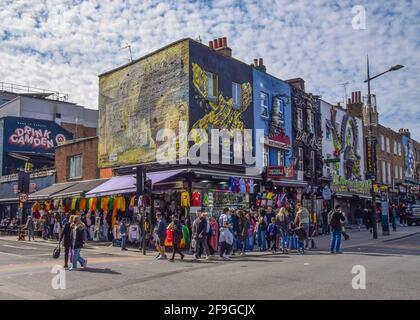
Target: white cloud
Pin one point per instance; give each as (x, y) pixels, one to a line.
(76, 40)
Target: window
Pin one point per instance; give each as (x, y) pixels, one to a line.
(236, 95)
(266, 156)
(383, 171)
(313, 161)
(401, 175)
(280, 158)
(212, 87)
(399, 148)
(382, 143)
(327, 132)
(396, 172)
(299, 119)
(300, 159)
(278, 105)
(389, 173)
(395, 147)
(264, 104)
(311, 124)
(387, 145)
(74, 166)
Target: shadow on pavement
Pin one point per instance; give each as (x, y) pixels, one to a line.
(99, 270)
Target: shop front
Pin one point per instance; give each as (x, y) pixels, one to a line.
(350, 194)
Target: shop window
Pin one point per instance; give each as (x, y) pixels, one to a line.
(74, 167)
(264, 104)
(212, 85)
(299, 119)
(236, 95)
(300, 159)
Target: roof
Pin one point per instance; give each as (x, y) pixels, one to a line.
(51, 190)
(79, 188)
(74, 141)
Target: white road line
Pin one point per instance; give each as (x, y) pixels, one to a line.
(16, 247)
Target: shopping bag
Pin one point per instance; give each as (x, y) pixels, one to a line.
(169, 238)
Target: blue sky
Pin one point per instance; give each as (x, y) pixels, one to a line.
(64, 45)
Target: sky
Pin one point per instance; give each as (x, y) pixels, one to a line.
(64, 45)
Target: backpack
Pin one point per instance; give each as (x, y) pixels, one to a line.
(335, 221)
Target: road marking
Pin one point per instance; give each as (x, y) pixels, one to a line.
(17, 247)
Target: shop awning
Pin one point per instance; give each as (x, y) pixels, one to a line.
(48, 192)
(80, 188)
(127, 184)
(290, 183)
(223, 174)
(344, 195)
(9, 200)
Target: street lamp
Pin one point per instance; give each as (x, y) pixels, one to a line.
(373, 147)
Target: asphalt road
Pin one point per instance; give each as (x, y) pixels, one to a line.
(392, 272)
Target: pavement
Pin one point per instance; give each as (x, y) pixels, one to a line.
(392, 266)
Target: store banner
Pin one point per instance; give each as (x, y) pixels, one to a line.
(280, 172)
(340, 184)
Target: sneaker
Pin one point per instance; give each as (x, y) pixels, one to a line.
(332, 252)
(72, 269)
(182, 257)
(339, 252)
(171, 260)
(243, 254)
(158, 256)
(66, 267)
(162, 258)
(225, 257)
(124, 249)
(85, 266)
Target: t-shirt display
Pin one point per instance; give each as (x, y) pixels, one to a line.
(185, 199)
(196, 199)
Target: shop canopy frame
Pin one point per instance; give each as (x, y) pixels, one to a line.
(48, 192)
(79, 189)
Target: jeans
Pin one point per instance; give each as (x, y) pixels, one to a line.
(202, 243)
(262, 243)
(67, 251)
(284, 239)
(224, 248)
(301, 245)
(250, 243)
(359, 222)
(123, 241)
(335, 240)
(31, 234)
(77, 257)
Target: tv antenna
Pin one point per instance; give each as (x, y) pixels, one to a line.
(345, 84)
(128, 46)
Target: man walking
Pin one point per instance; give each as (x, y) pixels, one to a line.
(302, 219)
(336, 228)
(123, 232)
(30, 226)
(226, 237)
(65, 237)
(201, 237)
(160, 231)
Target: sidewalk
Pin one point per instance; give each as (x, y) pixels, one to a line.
(364, 237)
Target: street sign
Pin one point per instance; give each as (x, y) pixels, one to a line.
(331, 160)
(23, 197)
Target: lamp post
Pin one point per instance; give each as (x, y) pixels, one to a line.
(372, 144)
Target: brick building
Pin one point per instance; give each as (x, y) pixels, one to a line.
(77, 160)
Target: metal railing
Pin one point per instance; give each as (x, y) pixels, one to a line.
(22, 89)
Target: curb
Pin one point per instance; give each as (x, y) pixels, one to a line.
(402, 237)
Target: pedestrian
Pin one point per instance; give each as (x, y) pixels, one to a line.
(234, 222)
(44, 227)
(78, 240)
(250, 232)
(65, 238)
(123, 232)
(51, 220)
(358, 214)
(176, 229)
(301, 235)
(302, 219)
(393, 216)
(57, 229)
(226, 237)
(160, 235)
(272, 234)
(336, 228)
(194, 226)
(30, 226)
(209, 234)
(201, 237)
(284, 228)
(215, 233)
(261, 231)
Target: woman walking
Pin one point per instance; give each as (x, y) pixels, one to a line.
(284, 228)
(78, 239)
(250, 232)
(30, 226)
(176, 229)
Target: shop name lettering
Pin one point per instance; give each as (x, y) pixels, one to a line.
(309, 140)
(28, 136)
(341, 184)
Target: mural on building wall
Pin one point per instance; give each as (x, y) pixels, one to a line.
(220, 113)
(137, 101)
(346, 144)
(409, 160)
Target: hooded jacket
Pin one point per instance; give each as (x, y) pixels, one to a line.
(78, 235)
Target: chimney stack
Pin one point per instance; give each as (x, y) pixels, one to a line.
(298, 83)
(259, 64)
(221, 45)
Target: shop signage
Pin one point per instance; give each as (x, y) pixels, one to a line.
(371, 158)
(340, 184)
(309, 139)
(23, 197)
(326, 161)
(32, 188)
(326, 193)
(279, 172)
(300, 175)
(280, 141)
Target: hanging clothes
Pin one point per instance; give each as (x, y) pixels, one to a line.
(82, 204)
(111, 204)
(185, 199)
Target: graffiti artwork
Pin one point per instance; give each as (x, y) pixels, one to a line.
(346, 144)
(137, 101)
(409, 161)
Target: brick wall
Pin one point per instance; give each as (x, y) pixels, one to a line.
(88, 148)
(389, 156)
(79, 131)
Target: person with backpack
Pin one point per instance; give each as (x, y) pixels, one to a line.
(336, 218)
(272, 234)
(261, 232)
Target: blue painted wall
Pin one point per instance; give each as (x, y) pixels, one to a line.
(264, 82)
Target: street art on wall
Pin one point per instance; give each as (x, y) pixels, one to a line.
(409, 161)
(346, 144)
(220, 113)
(138, 100)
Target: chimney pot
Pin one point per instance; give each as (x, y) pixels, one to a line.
(256, 62)
(215, 44)
(211, 44)
(261, 62)
(220, 43)
(224, 42)
(360, 97)
(353, 99)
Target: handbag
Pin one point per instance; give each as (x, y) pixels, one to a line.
(56, 252)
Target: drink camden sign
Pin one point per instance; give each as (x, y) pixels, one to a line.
(340, 184)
